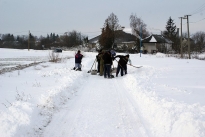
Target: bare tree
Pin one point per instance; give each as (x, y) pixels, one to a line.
(111, 26)
(136, 25)
(72, 39)
(112, 21)
(199, 41)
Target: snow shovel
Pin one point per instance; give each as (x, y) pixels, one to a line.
(134, 66)
(113, 70)
(92, 66)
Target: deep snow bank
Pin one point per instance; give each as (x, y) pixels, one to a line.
(165, 115)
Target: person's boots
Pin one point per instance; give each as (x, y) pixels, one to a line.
(79, 69)
(74, 68)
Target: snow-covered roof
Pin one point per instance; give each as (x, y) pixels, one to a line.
(156, 39)
(128, 42)
(153, 39)
(94, 40)
(120, 37)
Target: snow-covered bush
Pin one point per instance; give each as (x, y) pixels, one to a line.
(54, 57)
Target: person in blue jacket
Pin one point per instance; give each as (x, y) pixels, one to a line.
(78, 60)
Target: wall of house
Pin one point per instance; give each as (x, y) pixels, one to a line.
(92, 45)
(149, 47)
(164, 47)
(168, 46)
(128, 45)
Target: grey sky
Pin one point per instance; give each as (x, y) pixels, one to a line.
(43, 17)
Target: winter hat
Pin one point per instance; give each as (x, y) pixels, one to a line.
(128, 55)
(113, 53)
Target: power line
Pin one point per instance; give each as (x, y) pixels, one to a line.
(200, 9)
(194, 22)
(198, 21)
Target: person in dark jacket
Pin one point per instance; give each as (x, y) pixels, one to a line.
(107, 64)
(98, 57)
(122, 64)
(78, 60)
(101, 63)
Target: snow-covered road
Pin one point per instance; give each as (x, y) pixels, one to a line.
(163, 98)
(102, 107)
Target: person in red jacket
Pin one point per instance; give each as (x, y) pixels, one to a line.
(78, 60)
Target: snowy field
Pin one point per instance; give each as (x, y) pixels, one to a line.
(164, 98)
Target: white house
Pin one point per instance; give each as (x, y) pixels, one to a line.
(155, 43)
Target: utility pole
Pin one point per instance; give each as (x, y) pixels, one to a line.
(140, 40)
(28, 39)
(181, 38)
(187, 17)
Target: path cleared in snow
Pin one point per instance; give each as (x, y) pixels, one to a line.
(102, 107)
(125, 106)
(163, 98)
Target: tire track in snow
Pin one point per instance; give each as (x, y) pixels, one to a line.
(130, 115)
(101, 108)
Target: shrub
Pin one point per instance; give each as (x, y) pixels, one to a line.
(54, 57)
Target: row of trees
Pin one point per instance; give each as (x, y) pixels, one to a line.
(107, 38)
(69, 39)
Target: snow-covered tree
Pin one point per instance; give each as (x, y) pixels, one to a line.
(170, 28)
(171, 33)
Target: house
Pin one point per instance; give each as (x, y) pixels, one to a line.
(185, 41)
(125, 41)
(155, 43)
(122, 41)
(92, 43)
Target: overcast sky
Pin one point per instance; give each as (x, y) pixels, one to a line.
(43, 17)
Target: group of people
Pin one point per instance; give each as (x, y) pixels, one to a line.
(105, 61)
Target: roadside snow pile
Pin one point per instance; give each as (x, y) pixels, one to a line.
(18, 67)
(201, 56)
(31, 95)
(166, 116)
(165, 106)
(160, 55)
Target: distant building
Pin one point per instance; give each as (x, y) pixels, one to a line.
(123, 41)
(155, 43)
(94, 42)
